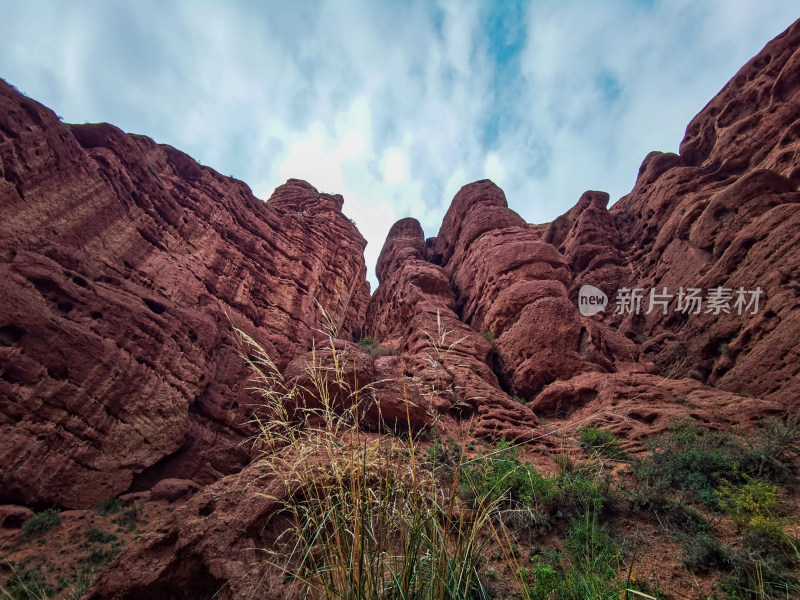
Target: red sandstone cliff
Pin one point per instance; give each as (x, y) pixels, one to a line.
(724, 213)
(121, 256)
(120, 259)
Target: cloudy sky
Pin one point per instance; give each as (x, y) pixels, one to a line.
(394, 104)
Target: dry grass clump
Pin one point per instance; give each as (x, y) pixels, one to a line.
(367, 521)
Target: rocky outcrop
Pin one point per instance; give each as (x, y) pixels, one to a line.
(124, 266)
(216, 546)
(222, 543)
(588, 237)
(636, 406)
(722, 214)
(513, 285)
(446, 366)
(14, 517)
(341, 377)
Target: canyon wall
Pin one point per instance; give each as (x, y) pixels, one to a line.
(124, 266)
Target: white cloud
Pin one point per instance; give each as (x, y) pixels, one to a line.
(394, 105)
(395, 167)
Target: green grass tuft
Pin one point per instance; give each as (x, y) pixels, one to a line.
(41, 522)
(108, 507)
(600, 441)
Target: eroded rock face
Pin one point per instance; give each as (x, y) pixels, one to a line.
(14, 517)
(511, 283)
(588, 237)
(638, 405)
(221, 543)
(445, 366)
(214, 547)
(723, 214)
(124, 266)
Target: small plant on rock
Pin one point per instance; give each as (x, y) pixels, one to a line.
(108, 507)
(42, 522)
(601, 441)
(370, 345)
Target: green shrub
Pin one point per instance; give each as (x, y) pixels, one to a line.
(108, 507)
(759, 584)
(751, 502)
(677, 517)
(129, 517)
(700, 462)
(489, 336)
(590, 544)
(370, 345)
(579, 492)
(97, 535)
(765, 568)
(738, 476)
(42, 522)
(703, 551)
(100, 557)
(600, 441)
(689, 458)
(546, 579)
(586, 569)
(444, 458)
(526, 498)
(501, 476)
(773, 450)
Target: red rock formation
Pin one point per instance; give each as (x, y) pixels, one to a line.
(14, 517)
(638, 405)
(173, 489)
(722, 214)
(511, 283)
(121, 261)
(446, 366)
(343, 376)
(213, 547)
(588, 237)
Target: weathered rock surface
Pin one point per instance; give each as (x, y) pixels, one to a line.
(342, 376)
(121, 263)
(14, 517)
(723, 214)
(488, 273)
(174, 489)
(637, 405)
(217, 545)
(588, 237)
(445, 366)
